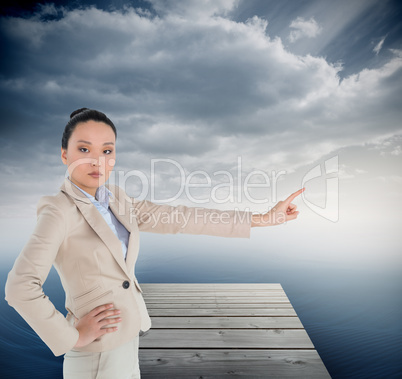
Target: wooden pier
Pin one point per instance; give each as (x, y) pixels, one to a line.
(225, 331)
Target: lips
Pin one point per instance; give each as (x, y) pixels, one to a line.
(95, 174)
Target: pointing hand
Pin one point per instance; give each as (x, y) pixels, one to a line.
(282, 212)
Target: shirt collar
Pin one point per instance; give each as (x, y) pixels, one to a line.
(102, 195)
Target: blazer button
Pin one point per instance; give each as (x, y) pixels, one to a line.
(126, 284)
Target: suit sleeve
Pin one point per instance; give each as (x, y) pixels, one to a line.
(24, 284)
(192, 220)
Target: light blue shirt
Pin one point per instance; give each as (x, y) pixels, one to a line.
(101, 202)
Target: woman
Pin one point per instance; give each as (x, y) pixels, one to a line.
(90, 233)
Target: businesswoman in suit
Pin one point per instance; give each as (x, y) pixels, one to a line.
(90, 232)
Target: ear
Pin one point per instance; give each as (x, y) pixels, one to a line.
(64, 155)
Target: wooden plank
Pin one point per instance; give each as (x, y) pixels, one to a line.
(275, 311)
(220, 306)
(221, 300)
(226, 323)
(217, 305)
(223, 331)
(243, 364)
(199, 293)
(227, 338)
(188, 287)
(215, 286)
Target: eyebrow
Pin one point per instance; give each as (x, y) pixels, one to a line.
(90, 143)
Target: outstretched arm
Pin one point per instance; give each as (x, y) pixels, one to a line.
(283, 211)
(155, 218)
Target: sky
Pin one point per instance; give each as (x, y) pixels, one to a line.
(210, 98)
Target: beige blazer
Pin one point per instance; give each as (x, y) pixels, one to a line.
(72, 235)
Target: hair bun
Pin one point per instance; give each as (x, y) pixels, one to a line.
(77, 112)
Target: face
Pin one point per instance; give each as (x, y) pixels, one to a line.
(90, 155)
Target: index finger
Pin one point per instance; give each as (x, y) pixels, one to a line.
(295, 194)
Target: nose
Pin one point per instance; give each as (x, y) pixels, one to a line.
(95, 162)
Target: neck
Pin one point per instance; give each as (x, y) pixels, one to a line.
(89, 190)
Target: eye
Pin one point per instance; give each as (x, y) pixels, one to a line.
(108, 151)
(84, 149)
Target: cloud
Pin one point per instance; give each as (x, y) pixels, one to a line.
(194, 8)
(303, 29)
(396, 151)
(378, 46)
(201, 90)
(360, 171)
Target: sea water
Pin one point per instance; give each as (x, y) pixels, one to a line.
(352, 314)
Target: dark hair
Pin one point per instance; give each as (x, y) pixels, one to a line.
(84, 115)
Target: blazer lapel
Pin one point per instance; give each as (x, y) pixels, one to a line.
(122, 212)
(97, 222)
